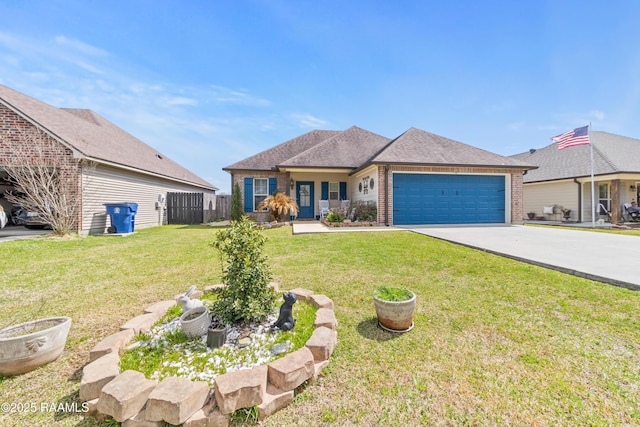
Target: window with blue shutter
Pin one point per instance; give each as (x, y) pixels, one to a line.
(248, 194)
(324, 190)
(273, 185)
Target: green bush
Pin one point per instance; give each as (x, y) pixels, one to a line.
(247, 296)
(334, 216)
(236, 204)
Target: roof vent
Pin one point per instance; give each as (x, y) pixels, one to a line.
(158, 156)
(532, 150)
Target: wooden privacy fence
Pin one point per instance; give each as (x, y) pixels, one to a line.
(196, 208)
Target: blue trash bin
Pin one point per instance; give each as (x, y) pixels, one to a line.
(122, 217)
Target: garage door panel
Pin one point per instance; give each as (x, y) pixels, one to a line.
(448, 199)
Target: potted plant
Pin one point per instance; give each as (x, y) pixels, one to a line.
(217, 333)
(195, 321)
(531, 215)
(394, 308)
(29, 345)
(566, 213)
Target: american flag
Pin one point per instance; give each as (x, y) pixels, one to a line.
(578, 136)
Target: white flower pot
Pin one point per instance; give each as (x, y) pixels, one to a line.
(198, 325)
(26, 346)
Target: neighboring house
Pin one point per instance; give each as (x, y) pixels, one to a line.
(416, 178)
(563, 177)
(126, 169)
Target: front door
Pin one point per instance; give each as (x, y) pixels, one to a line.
(304, 198)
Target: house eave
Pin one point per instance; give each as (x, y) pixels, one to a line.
(314, 169)
(458, 165)
(144, 172)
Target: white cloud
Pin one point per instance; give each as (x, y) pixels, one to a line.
(305, 120)
(226, 95)
(84, 48)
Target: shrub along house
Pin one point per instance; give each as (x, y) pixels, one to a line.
(563, 178)
(416, 178)
(123, 168)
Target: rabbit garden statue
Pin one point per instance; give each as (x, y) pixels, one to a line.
(188, 303)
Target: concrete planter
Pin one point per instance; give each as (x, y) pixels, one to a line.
(195, 321)
(395, 316)
(29, 345)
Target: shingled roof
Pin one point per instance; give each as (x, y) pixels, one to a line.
(268, 159)
(611, 154)
(94, 137)
(356, 148)
(348, 149)
(416, 146)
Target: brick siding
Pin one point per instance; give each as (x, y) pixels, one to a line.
(12, 129)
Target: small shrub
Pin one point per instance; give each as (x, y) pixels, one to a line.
(335, 216)
(365, 211)
(236, 204)
(247, 295)
(280, 205)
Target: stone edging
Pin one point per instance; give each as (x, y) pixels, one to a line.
(133, 400)
(347, 223)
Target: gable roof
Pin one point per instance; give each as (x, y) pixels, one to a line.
(268, 159)
(611, 154)
(94, 137)
(416, 146)
(357, 148)
(348, 149)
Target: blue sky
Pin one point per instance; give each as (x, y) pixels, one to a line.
(209, 83)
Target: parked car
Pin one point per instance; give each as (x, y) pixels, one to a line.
(32, 220)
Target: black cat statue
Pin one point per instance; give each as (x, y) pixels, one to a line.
(285, 321)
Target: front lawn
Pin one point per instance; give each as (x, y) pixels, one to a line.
(496, 342)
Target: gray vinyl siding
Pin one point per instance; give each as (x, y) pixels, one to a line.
(106, 184)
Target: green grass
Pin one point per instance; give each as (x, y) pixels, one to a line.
(495, 342)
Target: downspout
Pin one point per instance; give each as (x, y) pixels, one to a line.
(579, 199)
(386, 195)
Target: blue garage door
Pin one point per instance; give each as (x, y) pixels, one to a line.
(448, 199)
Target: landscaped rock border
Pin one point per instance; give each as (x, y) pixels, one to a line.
(349, 223)
(135, 401)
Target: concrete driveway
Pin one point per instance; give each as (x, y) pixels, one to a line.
(609, 258)
(17, 232)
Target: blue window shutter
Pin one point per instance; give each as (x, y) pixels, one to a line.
(248, 194)
(324, 187)
(343, 191)
(273, 185)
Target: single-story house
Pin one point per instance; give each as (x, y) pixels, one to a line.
(107, 164)
(416, 178)
(563, 178)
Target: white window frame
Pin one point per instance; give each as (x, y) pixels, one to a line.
(334, 194)
(257, 195)
(607, 200)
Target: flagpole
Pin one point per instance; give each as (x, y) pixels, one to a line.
(593, 192)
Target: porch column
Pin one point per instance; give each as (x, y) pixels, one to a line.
(615, 201)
